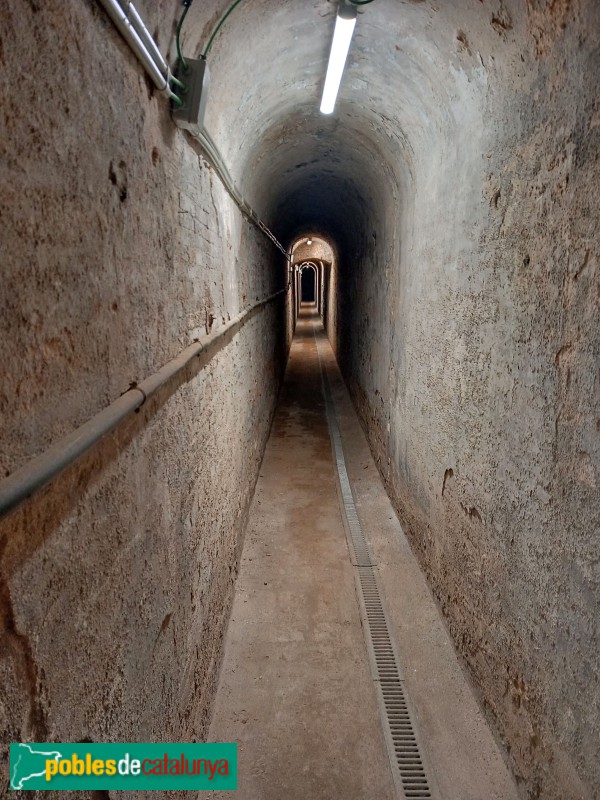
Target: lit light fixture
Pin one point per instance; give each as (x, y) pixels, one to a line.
(342, 36)
(309, 241)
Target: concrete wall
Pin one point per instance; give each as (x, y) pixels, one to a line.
(472, 352)
(119, 248)
(456, 180)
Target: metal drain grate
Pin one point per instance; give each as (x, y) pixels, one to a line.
(360, 550)
(403, 749)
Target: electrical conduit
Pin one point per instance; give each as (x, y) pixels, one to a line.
(138, 38)
(135, 33)
(37, 473)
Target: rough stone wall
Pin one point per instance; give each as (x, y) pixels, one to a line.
(119, 248)
(472, 352)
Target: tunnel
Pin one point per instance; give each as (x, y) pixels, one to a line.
(287, 380)
(308, 284)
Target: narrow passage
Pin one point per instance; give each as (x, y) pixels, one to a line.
(296, 691)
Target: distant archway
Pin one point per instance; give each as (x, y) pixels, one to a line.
(313, 259)
(308, 284)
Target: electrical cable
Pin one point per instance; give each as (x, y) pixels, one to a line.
(187, 4)
(228, 12)
(177, 82)
(219, 26)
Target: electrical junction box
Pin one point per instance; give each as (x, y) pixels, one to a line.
(190, 115)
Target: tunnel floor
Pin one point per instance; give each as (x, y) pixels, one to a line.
(295, 690)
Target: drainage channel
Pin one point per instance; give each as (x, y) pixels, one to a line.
(406, 761)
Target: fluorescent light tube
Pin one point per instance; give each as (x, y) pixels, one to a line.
(342, 36)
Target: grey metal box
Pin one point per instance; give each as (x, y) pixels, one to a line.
(191, 114)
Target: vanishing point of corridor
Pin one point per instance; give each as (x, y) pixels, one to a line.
(296, 689)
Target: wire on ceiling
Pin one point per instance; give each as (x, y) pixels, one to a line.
(219, 26)
(187, 4)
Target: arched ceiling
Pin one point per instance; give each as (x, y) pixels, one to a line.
(414, 86)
